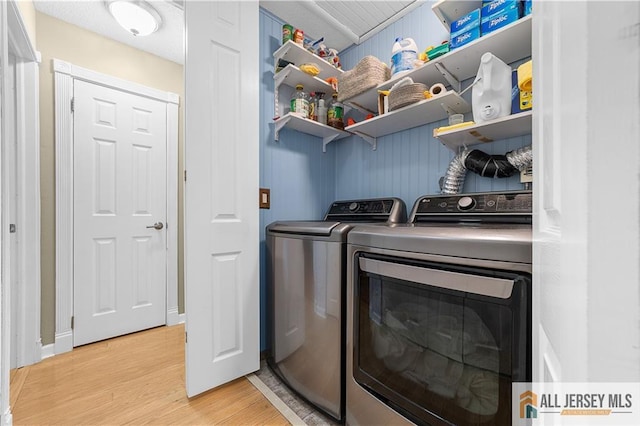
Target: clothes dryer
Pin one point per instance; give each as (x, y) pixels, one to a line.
(439, 312)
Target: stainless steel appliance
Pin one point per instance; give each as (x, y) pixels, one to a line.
(439, 312)
(306, 284)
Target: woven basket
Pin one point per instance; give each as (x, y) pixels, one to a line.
(405, 95)
(368, 73)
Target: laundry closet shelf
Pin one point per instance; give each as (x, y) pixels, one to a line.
(417, 114)
(291, 76)
(310, 127)
(297, 54)
(451, 10)
(510, 44)
(502, 128)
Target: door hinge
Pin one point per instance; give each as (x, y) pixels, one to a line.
(185, 175)
(12, 228)
(73, 104)
(72, 321)
(186, 339)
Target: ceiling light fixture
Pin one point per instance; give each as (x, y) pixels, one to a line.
(136, 16)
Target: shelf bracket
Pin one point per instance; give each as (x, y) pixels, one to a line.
(451, 79)
(447, 108)
(369, 139)
(328, 139)
(358, 107)
(276, 108)
(279, 125)
(280, 76)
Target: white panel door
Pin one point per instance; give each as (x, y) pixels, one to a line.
(586, 192)
(119, 194)
(10, 150)
(221, 193)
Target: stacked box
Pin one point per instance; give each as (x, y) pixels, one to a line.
(498, 14)
(465, 30)
(527, 8)
(498, 6)
(468, 21)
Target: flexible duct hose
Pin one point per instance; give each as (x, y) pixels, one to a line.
(456, 172)
(521, 158)
(495, 166)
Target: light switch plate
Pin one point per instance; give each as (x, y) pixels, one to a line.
(265, 198)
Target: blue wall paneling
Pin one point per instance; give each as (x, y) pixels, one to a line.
(301, 177)
(408, 164)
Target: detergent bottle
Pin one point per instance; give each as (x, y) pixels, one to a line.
(403, 55)
(491, 94)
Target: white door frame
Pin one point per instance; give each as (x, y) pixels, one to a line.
(65, 74)
(15, 40)
(27, 295)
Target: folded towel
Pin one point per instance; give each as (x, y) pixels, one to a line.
(525, 72)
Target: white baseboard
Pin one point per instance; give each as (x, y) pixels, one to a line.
(64, 342)
(181, 318)
(173, 317)
(7, 418)
(48, 351)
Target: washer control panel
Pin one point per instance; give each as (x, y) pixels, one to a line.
(512, 203)
(386, 209)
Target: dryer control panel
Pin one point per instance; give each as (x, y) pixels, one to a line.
(502, 206)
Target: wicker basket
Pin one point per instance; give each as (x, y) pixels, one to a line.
(368, 73)
(405, 95)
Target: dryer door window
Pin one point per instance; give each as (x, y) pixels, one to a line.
(441, 344)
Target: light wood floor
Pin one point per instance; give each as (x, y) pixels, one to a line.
(134, 379)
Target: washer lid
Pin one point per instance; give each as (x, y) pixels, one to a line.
(321, 228)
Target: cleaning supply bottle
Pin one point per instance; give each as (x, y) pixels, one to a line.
(403, 55)
(322, 109)
(491, 93)
(335, 113)
(300, 102)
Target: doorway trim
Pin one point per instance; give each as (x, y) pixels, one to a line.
(27, 315)
(65, 74)
(15, 40)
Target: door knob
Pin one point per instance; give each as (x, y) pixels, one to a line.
(157, 225)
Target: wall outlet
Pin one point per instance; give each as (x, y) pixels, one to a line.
(526, 175)
(265, 198)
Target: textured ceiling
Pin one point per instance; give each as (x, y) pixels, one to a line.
(341, 23)
(167, 42)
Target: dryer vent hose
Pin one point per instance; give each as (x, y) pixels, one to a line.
(494, 166)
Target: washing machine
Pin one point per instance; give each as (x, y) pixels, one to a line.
(307, 288)
(439, 312)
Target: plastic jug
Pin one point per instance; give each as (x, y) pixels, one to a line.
(491, 95)
(403, 55)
